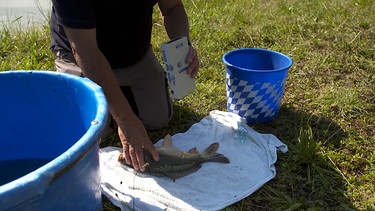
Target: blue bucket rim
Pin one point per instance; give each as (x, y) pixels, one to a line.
(41, 177)
(257, 49)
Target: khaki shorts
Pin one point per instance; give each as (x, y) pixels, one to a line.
(143, 84)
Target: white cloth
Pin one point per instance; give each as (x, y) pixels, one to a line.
(214, 186)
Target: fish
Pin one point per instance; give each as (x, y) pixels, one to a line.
(175, 163)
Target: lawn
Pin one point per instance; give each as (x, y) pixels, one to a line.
(327, 116)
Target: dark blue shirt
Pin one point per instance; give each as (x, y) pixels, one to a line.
(123, 27)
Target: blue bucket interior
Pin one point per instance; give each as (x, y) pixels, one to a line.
(257, 65)
(43, 114)
(256, 59)
(48, 121)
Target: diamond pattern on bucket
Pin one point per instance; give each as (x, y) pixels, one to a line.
(256, 102)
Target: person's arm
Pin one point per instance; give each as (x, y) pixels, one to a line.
(95, 66)
(176, 24)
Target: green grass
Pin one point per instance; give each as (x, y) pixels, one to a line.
(327, 116)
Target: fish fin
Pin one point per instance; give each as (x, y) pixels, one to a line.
(219, 158)
(193, 150)
(179, 174)
(167, 142)
(210, 151)
(212, 148)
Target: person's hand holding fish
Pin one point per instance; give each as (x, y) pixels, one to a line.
(174, 163)
(135, 141)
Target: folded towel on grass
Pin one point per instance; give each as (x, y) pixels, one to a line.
(214, 186)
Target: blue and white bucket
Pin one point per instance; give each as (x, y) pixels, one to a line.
(255, 80)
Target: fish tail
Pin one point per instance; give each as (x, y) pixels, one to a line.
(211, 154)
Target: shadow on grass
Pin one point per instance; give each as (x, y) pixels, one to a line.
(306, 178)
(182, 120)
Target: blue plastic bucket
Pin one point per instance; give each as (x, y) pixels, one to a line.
(255, 80)
(49, 151)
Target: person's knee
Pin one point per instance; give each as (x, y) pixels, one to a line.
(157, 122)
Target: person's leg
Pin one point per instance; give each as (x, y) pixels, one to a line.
(65, 63)
(143, 84)
(147, 82)
(128, 93)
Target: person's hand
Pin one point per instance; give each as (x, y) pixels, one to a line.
(193, 61)
(134, 140)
